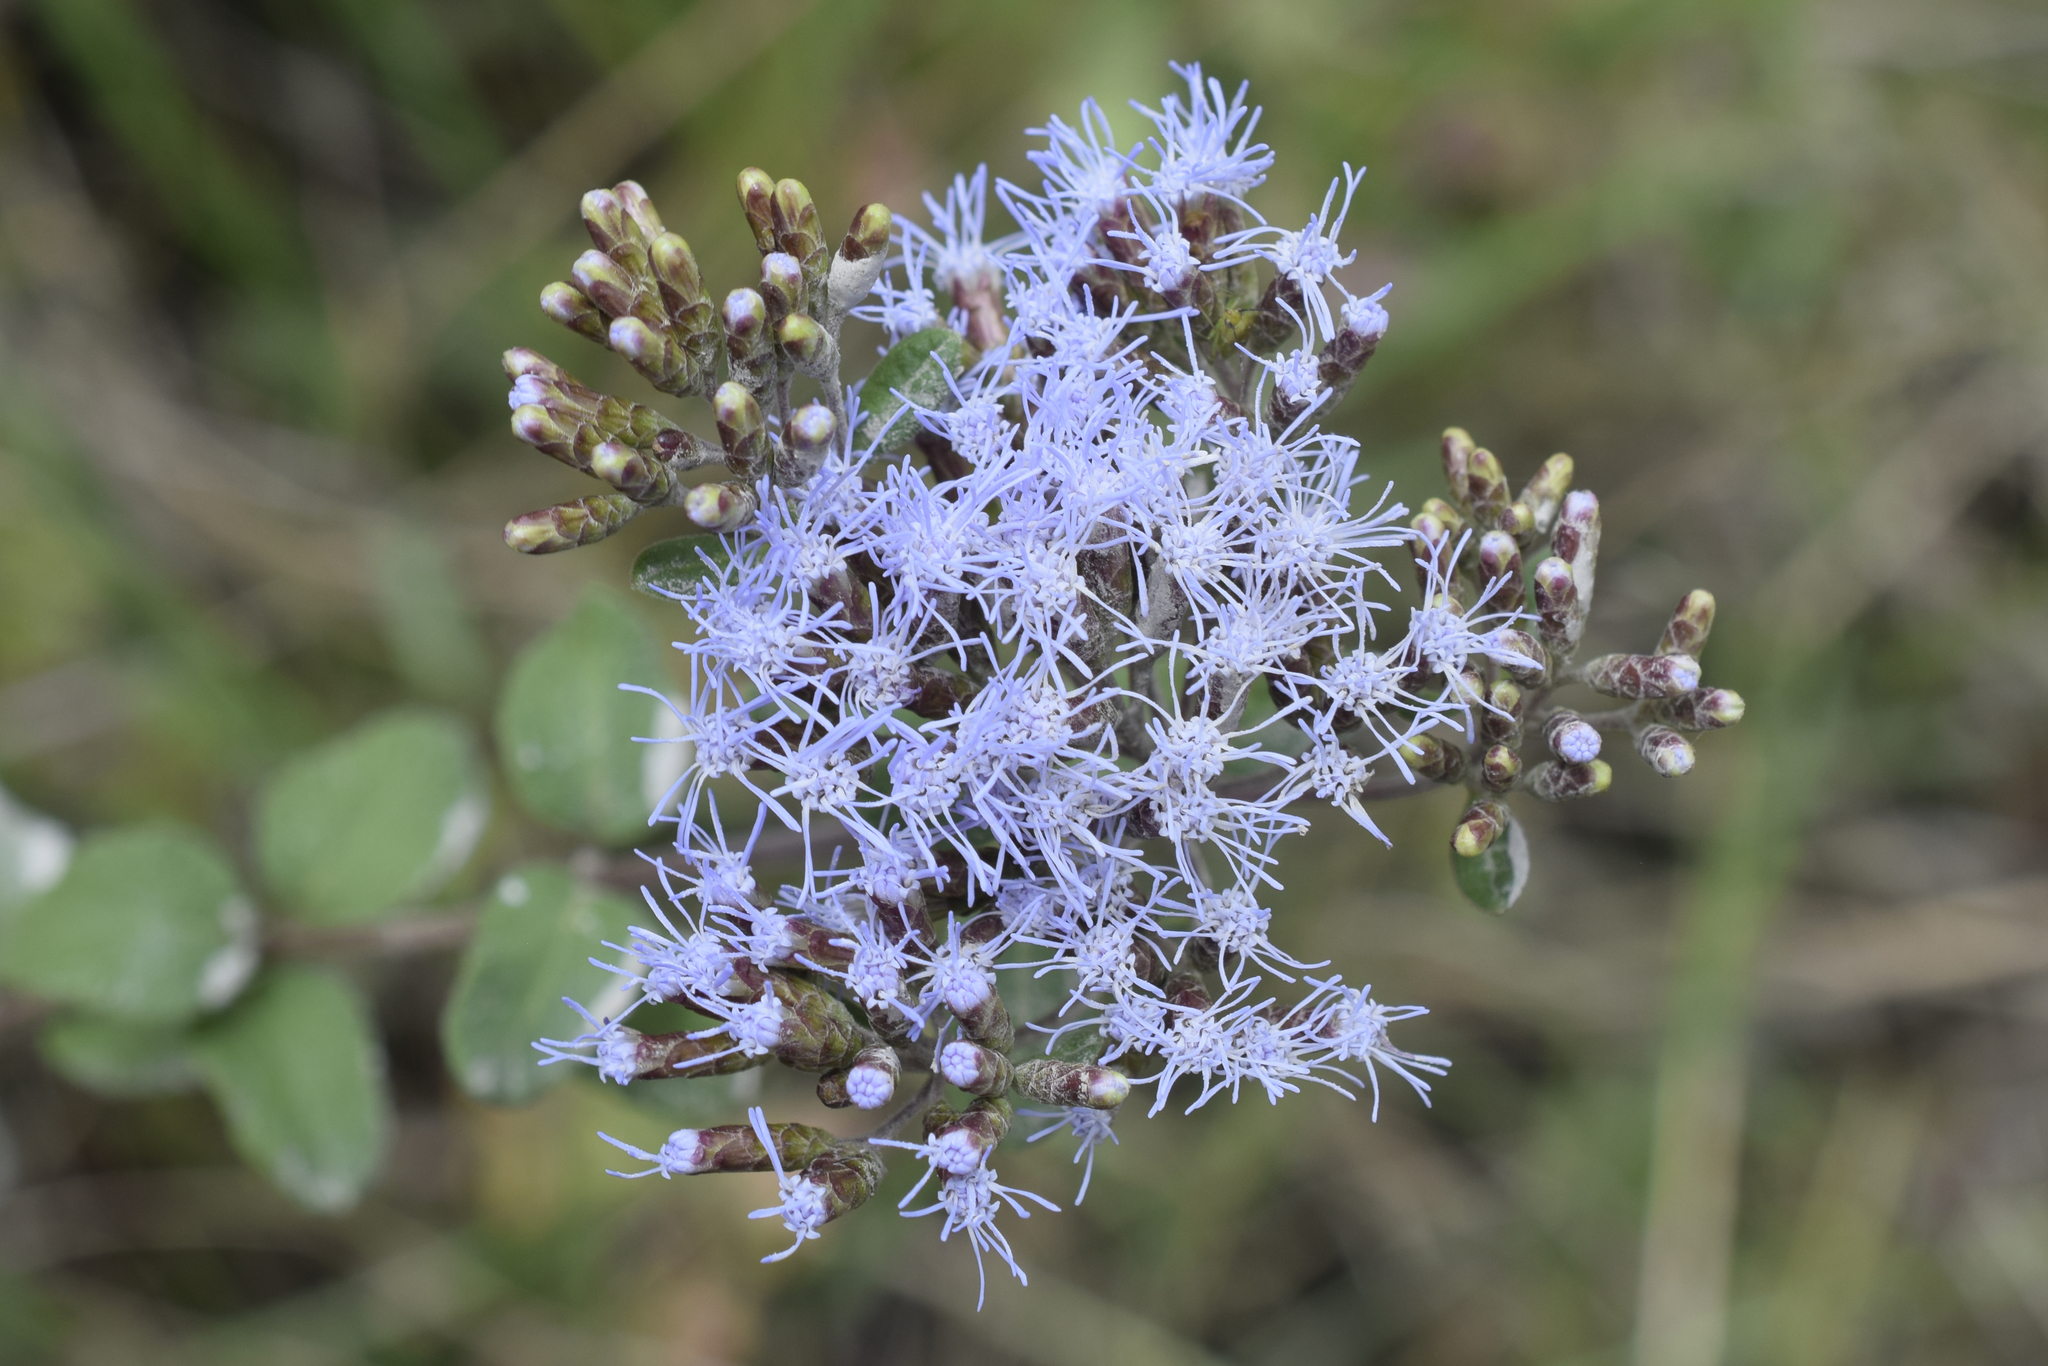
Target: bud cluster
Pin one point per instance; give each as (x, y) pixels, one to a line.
(1049, 625)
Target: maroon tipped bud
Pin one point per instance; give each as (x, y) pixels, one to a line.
(567, 525)
(1499, 767)
(1665, 750)
(1558, 617)
(1434, 759)
(868, 234)
(742, 430)
(1705, 709)
(1640, 676)
(757, 192)
(1687, 631)
(639, 476)
(570, 307)
(720, 507)
(1544, 494)
(1522, 655)
(1457, 447)
(782, 285)
(1500, 561)
(1478, 828)
(1555, 782)
(1051, 1082)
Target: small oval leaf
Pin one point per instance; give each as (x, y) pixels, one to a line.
(1493, 880)
(299, 1075)
(669, 569)
(916, 368)
(146, 924)
(532, 947)
(381, 815)
(34, 852)
(566, 729)
(118, 1058)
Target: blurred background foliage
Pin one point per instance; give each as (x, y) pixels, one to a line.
(1756, 1072)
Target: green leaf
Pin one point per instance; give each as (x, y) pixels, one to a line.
(382, 815)
(299, 1075)
(566, 729)
(916, 368)
(669, 568)
(118, 1058)
(1493, 881)
(34, 852)
(147, 924)
(532, 947)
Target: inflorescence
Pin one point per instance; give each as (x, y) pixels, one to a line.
(1044, 631)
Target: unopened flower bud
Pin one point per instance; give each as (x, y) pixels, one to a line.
(808, 441)
(567, 525)
(570, 307)
(975, 1068)
(1187, 990)
(544, 431)
(1478, 828)
(747, 338)
(1486, 487)
(1665, 750)
(1570, 737)
(625, 1055)
(799, 232)
(1521, 654)
(1432, 758)
(808, 345)
(1500, 561)
(868, 234)
(1640, 676)
(1457, 448)
(1499, 767)
(1556, 782)
(1545, 493)
(757, 193)
(847, 1175)
(818, 1033)
(858, 264)
(606, 283)
(639, 208)
(1052, 1082)
(720, 507)
(641, 477)
(1576, 541)
(676, 271)
(1558, 618)
(652, 352)
(1501, 721)
(738, 1148)
(1452, 519)
(742, 430)
(782, 285)
(1518, 521)
(1705, 709)
(960, 1141)
(871, 1081)
(1687, 631)
(613, 233)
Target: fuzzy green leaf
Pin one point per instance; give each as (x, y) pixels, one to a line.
(118, 1058)
(669, 568)
(380, 816)
(1493, 881)
(566, 729)
(299, 1074)
(146, 924)
(531, 948)
(916, 368)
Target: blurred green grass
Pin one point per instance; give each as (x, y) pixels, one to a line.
(1755, 1071)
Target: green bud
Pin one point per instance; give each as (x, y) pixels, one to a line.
(868, 234)
(1499, 767)
(1704, 709)
(1558, 618)
(808, 441)
(1544, 494)
(748, 342)
(570, 307)
(544, 431)
(1051, 1082)
(782, 285)
(1576, 541)
(1453, 521)
(1457, 449)
(613, 231)
(848, 1175)
(1528, 647)
(1433, 758)
(1558, 782)
(799, 232)
(1519, 521)
(654, 353)
(640, 209)
(1487, 487)
(1687, 631)
(742, 430)
(809, 346)
(720, 507)
(1478, 828)
(1501, 722)
(737, 1148)
(606, 283)
(640, 477)
(1500, 562)
(757, 193)
(567, 525)
(818, 1032)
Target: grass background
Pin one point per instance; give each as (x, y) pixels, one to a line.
(1756, 1072)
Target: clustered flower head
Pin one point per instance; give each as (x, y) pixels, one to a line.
(1041, 638)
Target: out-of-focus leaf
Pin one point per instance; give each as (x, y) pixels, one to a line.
(147, 924)
(916, 368)
(427, 625)
(384, 814)
(34, 852)
(299, 1075)
(119, 1058)
(532, 947)
(695, 1102)
(668, 568)
(1493, 881)
(566, 728)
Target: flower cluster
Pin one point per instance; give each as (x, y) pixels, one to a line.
(1046, 631)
